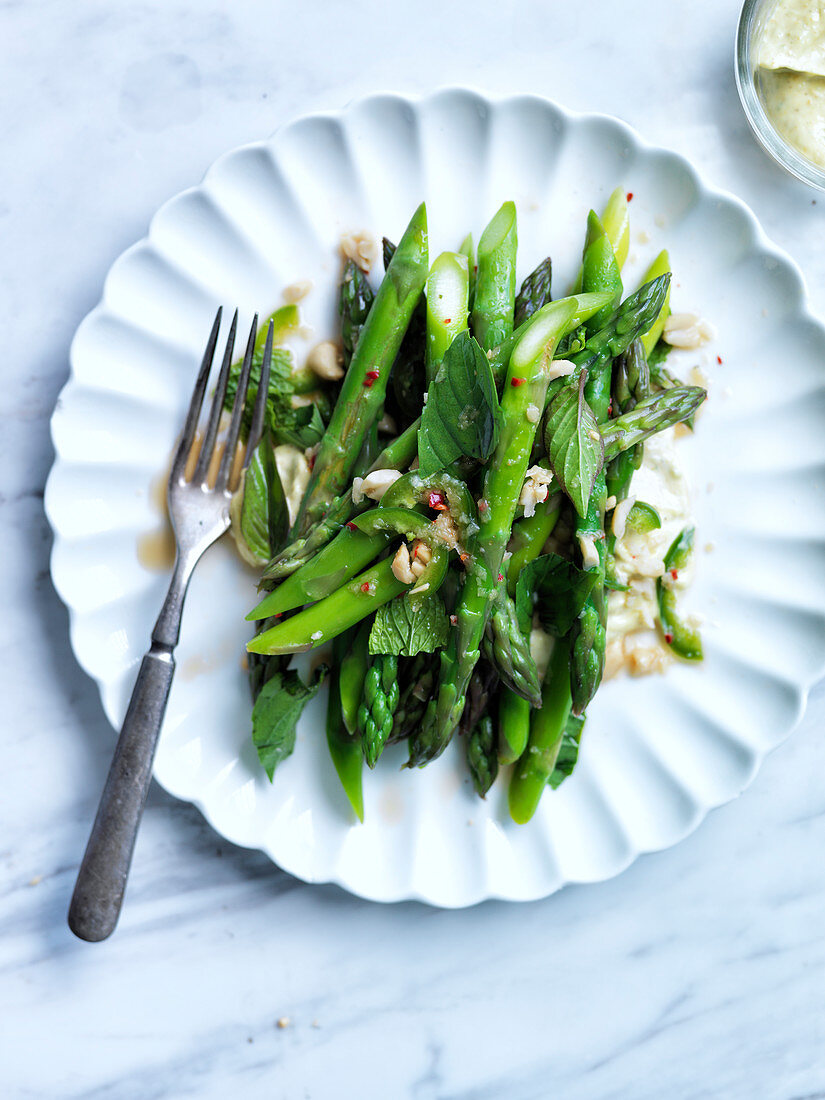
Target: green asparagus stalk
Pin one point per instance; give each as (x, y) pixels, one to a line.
(448, 288)
(546, 732)
(526, 386)
(364, 388)
(509, 650)
(682, 639)
(534, 292)
(344, 749)
(588, 636)
(494, 303)
(481, 755)
(354, 664)
(419, 679)
(660, 266)
(355, 299)
(654, 414)
(467, 248)
(513, 726)
(631, 384)
(378, 703)
(616, 222)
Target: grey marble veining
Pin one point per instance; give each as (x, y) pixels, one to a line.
(697, 973)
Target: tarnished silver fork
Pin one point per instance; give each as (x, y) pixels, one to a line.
(200, 514)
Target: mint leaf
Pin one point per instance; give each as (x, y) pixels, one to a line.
(659, 353)
(569, 751)
(574, 443)
(264, 519)
(404, 627)
(302, 426)
(561, 588)
(462, 414)
(279, 705)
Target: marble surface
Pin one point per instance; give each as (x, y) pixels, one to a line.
(697, 973)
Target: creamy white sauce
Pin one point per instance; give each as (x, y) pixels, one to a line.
(790, 75)
(293, 470)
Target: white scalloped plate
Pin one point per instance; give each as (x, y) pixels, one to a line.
(658, 753)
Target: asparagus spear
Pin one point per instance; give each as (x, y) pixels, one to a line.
(344, 749)
(526, 386)
(631, 384)
(418, 683)
(654, 414)
(546, 731)
(467, 248)
(364, 387)
(355, 299)
(600, 271)
(495, 293)
(448, 287)
(660, 266)
(682, 639)
(616, 221)
(513, 726)
(378, 703)
(534, 292)
(481, 755)
(509, 650)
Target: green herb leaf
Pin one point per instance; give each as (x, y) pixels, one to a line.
(462, 415)
(279, 705)
(403, 627)
(574, 444)
(561, 588)
(659, 353)
(264, 519)
(302, 426)
(569, 751)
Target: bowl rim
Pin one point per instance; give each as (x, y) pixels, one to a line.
(782, 152)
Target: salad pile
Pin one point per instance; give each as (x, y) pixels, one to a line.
(471, 449)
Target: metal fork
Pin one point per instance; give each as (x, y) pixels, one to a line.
(199, 514)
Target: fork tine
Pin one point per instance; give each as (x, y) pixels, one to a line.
(185, 445)
(259, 411)
(207, 447)
(228, 460)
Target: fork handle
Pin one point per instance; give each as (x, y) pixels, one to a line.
(101, 881)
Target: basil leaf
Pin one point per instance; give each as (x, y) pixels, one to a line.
(574, 444)
(279, 705)
(264, 518)
(462, 414)
(569, 751)
(561, 588)
(404, 627)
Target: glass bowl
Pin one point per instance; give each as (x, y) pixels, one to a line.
(751, 25)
